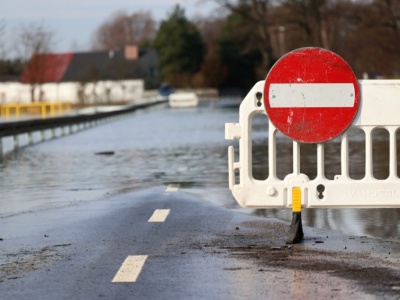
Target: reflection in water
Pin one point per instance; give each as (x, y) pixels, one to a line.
(159, 146)
(151, 148)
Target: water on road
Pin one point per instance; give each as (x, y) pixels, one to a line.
(161, 146)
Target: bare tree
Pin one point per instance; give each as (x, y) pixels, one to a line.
(311, 17)
(34, 38)
(124, 29)
(376, 39)
(390, 10)
(33, 42)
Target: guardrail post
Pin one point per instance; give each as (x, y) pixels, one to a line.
(42, 135)
(29, 138)
(15, 141)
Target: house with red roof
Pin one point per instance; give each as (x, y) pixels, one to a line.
(46, 68)
(85, 77)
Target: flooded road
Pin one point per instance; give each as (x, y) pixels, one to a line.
(162, 146)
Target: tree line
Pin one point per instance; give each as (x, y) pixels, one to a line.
(239, 46)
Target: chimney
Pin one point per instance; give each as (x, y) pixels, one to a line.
(131, 52)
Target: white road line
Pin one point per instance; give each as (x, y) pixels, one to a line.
(159, 215)
(172, 188)
(130, 268)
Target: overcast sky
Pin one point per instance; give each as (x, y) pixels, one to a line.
(75, 21)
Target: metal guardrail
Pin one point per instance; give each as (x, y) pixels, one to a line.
(43, 109)
(14, 129)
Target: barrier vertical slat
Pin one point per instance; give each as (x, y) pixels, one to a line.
(344, 166)
(271, 151)
(231, 170)
(368, 153)
(320, 161)
(393, 154)
(244, 156)
(296, 158)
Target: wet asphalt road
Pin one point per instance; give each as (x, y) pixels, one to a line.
(199, 252)
(66, 235)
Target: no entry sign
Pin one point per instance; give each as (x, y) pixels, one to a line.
(311, 95)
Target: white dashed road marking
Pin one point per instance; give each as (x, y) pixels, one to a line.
(172, 188)
(130, 269)
(133, 264)
(159, 215)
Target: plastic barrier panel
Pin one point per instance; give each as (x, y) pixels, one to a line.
(379, 107)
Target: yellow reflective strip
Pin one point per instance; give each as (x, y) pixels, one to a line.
(296, 199)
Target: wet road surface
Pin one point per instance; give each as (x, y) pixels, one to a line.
(198, 252)
(74, 209)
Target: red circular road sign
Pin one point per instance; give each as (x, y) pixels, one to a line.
(311, 95)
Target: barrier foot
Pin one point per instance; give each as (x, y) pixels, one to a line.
(296, 234)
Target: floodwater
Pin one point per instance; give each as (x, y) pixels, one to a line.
(160, 146)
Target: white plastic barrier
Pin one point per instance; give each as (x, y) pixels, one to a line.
(379, 108)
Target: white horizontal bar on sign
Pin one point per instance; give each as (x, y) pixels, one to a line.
(311, 95)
